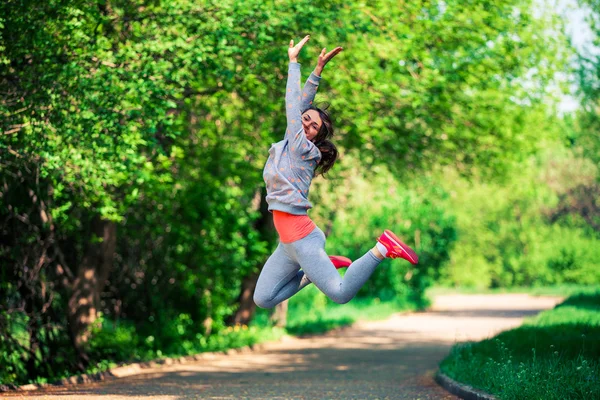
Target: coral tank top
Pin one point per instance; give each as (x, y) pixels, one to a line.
(292, 227)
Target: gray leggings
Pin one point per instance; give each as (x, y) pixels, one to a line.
(294, 265)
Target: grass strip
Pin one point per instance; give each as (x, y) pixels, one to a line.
(118, 344)
(311, 312)
(554, 355)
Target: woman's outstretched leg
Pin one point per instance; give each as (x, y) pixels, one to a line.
(310, 254)
(279, 279)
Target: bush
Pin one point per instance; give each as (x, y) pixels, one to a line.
(511, 233)
(364, 207)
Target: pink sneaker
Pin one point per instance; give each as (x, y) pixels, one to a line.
(396, 248)
(340, 261)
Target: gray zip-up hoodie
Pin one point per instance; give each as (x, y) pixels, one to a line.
(292, 161)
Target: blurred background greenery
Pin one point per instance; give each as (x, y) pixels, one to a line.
(134, 132)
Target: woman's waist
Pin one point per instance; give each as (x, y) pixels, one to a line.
(282, 217)
(292, 227)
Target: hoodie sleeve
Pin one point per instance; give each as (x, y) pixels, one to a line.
(310, 90)
(292, 101)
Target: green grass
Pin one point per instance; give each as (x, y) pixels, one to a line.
(555, 355)
(304, 320)
(124, 343)
(311, 312)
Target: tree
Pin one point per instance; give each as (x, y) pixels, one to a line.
(584, 132)
(150, 120)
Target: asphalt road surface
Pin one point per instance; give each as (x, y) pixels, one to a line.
(391, 359)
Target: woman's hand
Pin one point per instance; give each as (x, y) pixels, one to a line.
(325, 58)
(293, 51)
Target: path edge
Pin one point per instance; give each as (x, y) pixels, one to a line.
(129, 369)
(461, 390)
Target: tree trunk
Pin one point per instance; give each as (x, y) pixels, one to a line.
(279, 317)
(246, 308)
(90, 280)
(264, 225)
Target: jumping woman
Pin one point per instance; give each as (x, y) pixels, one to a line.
(305, 152)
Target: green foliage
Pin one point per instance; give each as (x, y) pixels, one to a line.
(358, 209)
(121, 341)
(124, 82)
(156, 115)
(450, 91)
(514, 232)
(20, 352)
(115, 342)
(586, 121)
(552, 356)
(118, 341)
(11, 357)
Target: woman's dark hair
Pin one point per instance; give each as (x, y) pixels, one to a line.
(329, 153)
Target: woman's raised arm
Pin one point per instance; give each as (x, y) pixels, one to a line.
(292, 93)
(312, 83)
(324, 58)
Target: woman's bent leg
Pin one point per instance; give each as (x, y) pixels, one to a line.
(279, 279)
(310, 253)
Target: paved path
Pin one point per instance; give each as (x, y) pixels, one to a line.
(392, 359)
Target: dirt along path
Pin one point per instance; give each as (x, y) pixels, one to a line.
(391, 359)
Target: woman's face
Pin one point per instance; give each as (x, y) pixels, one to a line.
(311, 121)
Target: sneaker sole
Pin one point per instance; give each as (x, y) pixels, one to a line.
(340, 261)
(413, 258)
